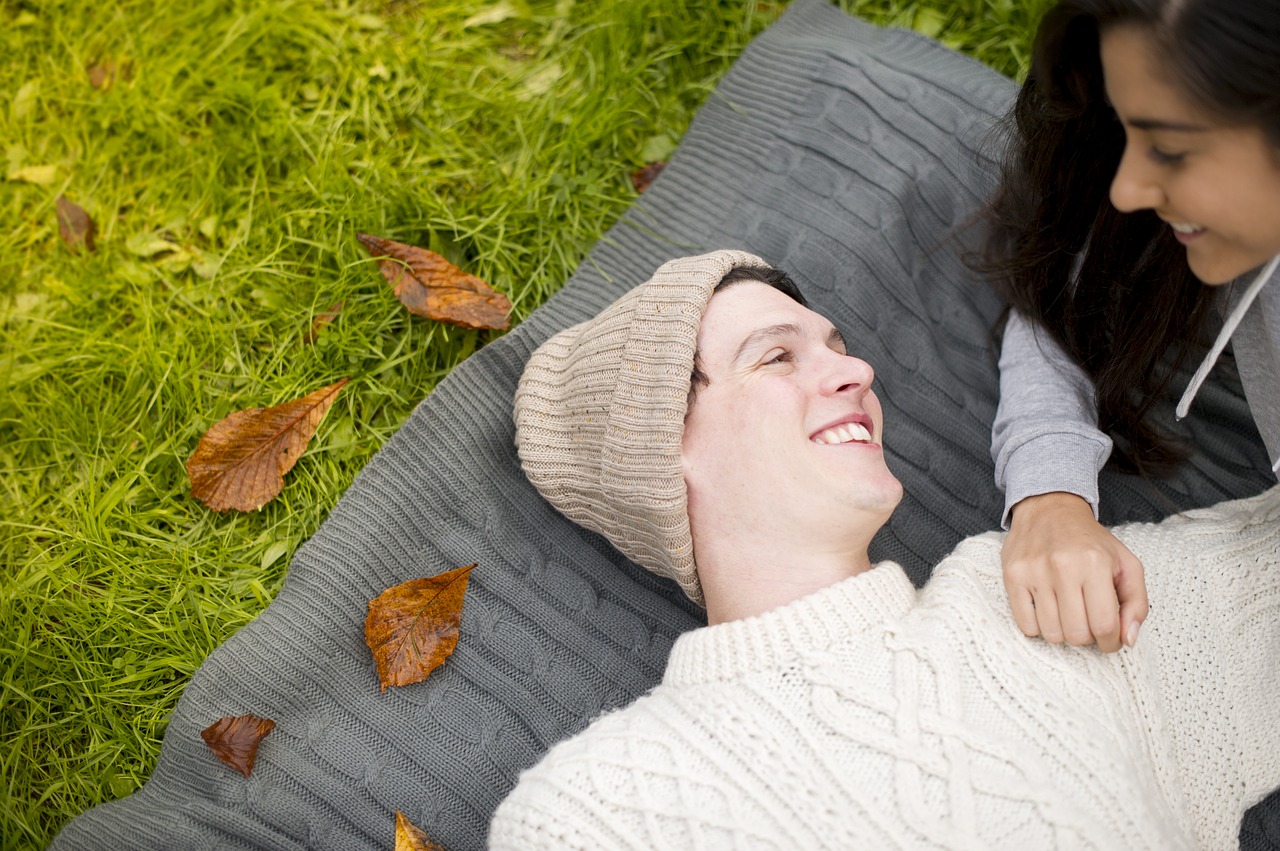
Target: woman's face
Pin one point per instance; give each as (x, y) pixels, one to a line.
(1216, 185)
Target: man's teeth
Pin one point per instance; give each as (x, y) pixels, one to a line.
(1185, 228)
(843, 433)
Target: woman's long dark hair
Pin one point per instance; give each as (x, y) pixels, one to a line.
(1135, 300)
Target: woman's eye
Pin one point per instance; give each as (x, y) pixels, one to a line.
(1165, 157)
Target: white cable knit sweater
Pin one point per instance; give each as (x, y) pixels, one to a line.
(871, 716)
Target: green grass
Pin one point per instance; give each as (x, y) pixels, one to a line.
(258, 138)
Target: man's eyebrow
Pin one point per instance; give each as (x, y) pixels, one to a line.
(785, 329)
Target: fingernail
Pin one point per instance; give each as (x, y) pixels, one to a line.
(1131, 635)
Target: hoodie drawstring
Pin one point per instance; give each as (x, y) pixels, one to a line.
(1224, 335)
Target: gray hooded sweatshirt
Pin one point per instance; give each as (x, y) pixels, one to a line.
(1046, 438)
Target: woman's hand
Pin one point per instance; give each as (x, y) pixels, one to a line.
(1068, 578)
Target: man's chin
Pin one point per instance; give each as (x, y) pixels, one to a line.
(886, 492)
(891, 504)
(874, 506)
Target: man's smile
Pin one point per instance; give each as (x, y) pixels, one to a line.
(856, 428)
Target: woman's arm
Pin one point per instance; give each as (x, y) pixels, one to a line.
(1045, 438)
(1068, 578)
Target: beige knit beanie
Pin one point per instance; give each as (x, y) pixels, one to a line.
(600, 415)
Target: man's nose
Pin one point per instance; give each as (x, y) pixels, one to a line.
(1136, 185)
(849, 375)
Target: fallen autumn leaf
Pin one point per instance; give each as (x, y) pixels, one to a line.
(413, 627)
(74, 225)
(235, 740)
(431, 286)
(102, 75)
(641, 178)
(240, 462)
(410, 838)
(323, 321)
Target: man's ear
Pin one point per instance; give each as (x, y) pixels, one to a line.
(689, 469)
(692, 498)
(686, 467)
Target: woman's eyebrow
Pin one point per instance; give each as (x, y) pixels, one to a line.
(1160, 124)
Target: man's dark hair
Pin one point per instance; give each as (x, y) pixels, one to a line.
(775, 278)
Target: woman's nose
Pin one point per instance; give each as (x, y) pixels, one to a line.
(1136, 184)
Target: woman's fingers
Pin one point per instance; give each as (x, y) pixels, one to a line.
(1068, 578)
(1074, 616)
(1047, 615)
(1024, 610)
(1131, 588)
(1103, 609)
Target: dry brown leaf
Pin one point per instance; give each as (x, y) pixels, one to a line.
(235, 740)
(240, 462)
(103, 75)
(323, 321)
(431, 286)
(642, 177)
(74, 225)
(410, 838)
(413, 627)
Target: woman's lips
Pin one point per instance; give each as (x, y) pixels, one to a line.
(1187, 234)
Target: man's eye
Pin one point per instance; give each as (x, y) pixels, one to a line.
(778, 357)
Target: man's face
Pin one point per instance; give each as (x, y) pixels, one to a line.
(785, 438)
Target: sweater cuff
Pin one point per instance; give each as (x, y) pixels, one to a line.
(1051, 463)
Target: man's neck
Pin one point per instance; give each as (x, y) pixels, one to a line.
(740, 585)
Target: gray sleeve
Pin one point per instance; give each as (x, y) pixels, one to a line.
(1045, 437)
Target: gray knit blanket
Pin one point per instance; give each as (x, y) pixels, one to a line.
(851, 156)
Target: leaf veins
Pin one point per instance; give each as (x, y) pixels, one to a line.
(240, 462)
(431, 286)
(235, 740)
(413, 627)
